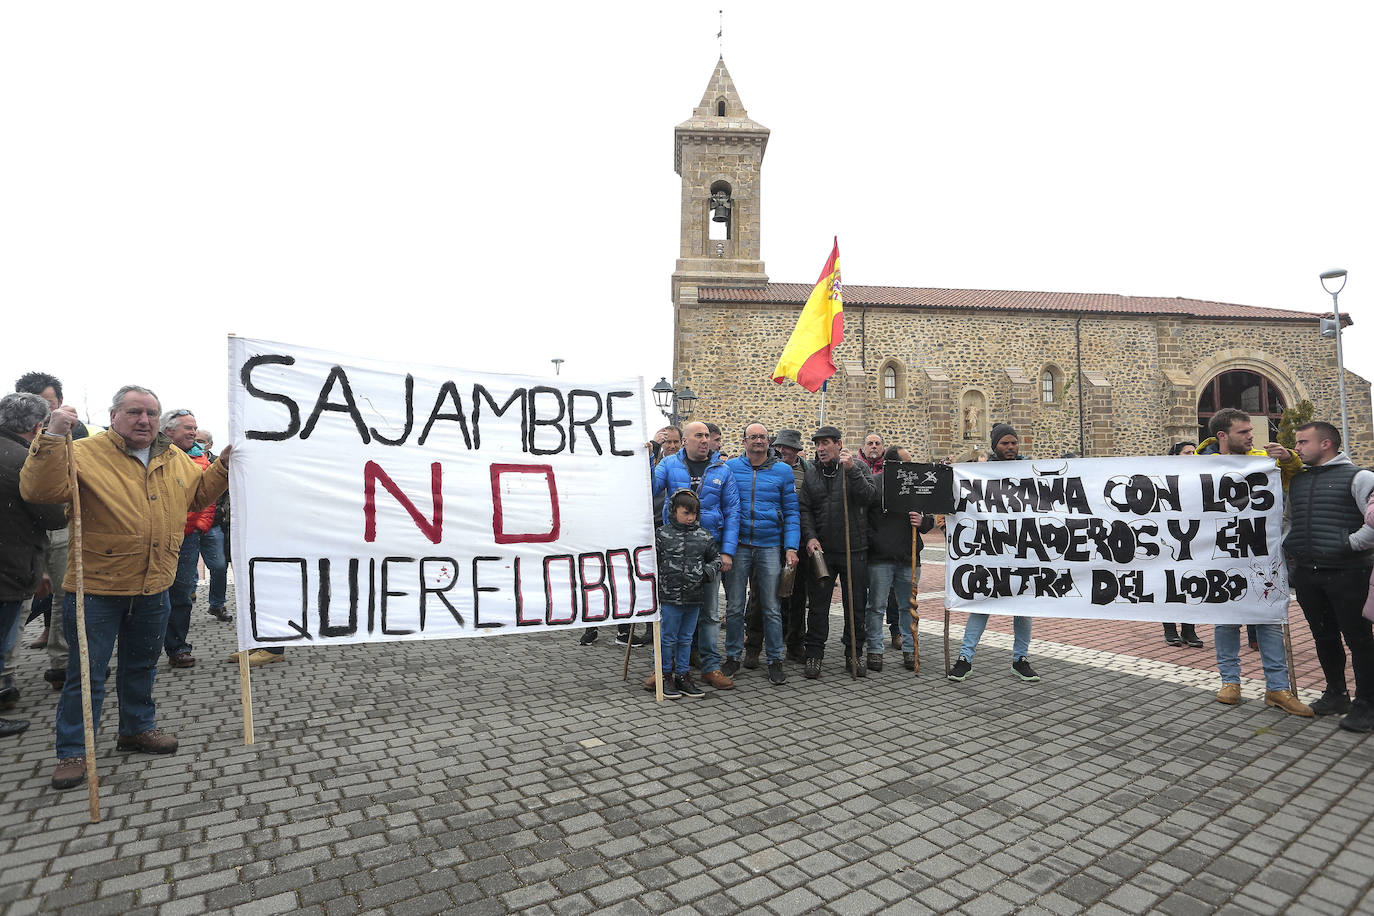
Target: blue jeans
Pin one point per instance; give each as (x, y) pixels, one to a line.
(708, 628)
(883, 577)
(182, 595)
(212, 552)
(676, 627)
(977, 623)
(137, 621)
(766, 564)
(1272, 656)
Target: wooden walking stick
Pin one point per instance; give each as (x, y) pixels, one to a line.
(629, 644)
(915, 614)
(849, 578)
(87, 716)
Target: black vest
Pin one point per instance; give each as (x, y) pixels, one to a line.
(1324, 514)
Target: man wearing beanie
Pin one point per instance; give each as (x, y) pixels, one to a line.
(1005, 447)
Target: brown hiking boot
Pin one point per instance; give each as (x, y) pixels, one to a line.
(650, 681)
(153, 741)
(1288, 702)
(70, 772)
(718, 680)
(1229, 694)
(183, 660)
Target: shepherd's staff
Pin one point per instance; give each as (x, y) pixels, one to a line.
(629, 644)
(87, 716)
(849, 577)
(915, 615)
(1288, 651)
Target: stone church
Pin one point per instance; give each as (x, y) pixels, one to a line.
(1074, 372)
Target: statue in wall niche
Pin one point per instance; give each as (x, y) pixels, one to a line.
(972, 426)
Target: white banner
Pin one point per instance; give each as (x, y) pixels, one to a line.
(1193, 539)
(374, 501)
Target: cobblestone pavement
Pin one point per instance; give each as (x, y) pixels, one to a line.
(521, 774)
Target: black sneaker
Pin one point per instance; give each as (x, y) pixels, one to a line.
(1332, 704)
(730, 668)
(588, 637)
(775, 673)
(670, 688)
(1360, 718)
(1023, 670)
(643, 639)
(813, 668)
(687, 687)
(622, 639)
(960, 670)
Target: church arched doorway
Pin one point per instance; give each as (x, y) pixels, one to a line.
(1250, 391)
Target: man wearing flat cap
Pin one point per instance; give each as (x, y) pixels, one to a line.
(827, 501)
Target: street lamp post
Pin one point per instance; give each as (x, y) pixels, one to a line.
(673, 402)
(1333, 275)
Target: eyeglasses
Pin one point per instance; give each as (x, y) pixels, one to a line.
(755, 438)
(173, 414)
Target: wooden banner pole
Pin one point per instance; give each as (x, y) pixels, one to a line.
(946, 640)
(83, 647)
(246, 696)
(1288, 653)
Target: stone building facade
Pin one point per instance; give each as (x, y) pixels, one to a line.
(933, 369)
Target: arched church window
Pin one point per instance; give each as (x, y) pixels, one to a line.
(720, 108)
(1051, 384)
(1248, 390)
(890, 384)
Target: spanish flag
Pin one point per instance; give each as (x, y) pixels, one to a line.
(807, 359)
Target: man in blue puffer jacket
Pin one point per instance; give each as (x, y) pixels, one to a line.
(769, 524)
(714, 485)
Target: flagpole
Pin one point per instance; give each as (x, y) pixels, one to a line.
(824, 385)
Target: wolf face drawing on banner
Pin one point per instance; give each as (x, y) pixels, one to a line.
(1269, 579)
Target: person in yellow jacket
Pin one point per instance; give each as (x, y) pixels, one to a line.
(136, 488)
(1233, 433)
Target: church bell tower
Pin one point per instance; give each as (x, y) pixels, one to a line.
(718, 151)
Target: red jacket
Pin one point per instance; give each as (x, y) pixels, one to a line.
(202, 520)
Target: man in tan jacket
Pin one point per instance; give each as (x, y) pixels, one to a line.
(136, 488)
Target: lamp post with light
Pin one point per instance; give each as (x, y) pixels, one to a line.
(673, 402)
(1334, 330)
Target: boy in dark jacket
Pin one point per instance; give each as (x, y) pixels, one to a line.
(688, 562)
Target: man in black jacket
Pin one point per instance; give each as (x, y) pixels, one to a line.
(894, 550)
(1330, 550)
(1006, 446)
(823, 515)
(23, 526)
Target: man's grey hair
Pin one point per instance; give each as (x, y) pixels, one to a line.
(118, 401)
(209, 436)
(170, 417)
(21, 412)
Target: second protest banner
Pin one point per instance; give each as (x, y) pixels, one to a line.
(1155, 538)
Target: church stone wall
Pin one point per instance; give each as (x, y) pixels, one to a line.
(1140, 379)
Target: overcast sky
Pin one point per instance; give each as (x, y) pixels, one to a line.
(491, 186)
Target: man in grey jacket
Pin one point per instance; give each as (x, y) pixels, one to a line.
(1330, 551)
